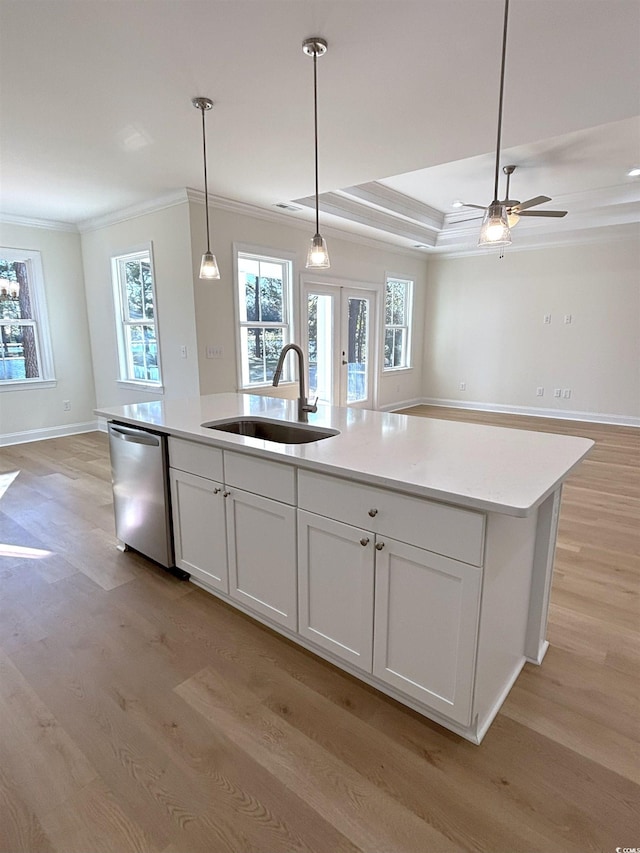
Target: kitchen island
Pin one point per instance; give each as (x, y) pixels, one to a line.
(416, 554)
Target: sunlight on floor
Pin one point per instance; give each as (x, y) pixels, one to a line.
(22, 551)
(6, 480)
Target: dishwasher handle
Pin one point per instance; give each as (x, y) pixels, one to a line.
(136, 436)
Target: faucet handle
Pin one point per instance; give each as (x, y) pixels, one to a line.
(314, 406)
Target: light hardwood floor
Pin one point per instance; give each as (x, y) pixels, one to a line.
(139, 713)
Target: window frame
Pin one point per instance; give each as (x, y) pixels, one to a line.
(122, 323)
(409, 284)
(287, 260)
(32, 258)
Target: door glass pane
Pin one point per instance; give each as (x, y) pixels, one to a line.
(319, 356)
(357, 349)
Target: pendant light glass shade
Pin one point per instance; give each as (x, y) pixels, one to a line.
(495, 228)
(209, 266)
(318, 256)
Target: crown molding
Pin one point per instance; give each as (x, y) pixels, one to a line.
(29, 222)
(141, 209)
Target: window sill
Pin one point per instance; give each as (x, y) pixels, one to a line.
(26, 384)
(147, 387)
(388, 370)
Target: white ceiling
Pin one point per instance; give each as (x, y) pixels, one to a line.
(97, 115)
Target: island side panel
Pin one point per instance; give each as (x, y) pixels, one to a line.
(504, 613)
(546, 533)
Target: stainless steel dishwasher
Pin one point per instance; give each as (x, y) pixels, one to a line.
(141, 498)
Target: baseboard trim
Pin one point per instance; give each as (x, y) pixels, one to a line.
(590, 417)
(402, 404)
(47, 432)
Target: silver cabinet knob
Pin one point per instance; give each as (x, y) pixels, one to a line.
(379, 546)
(216, 491)
(373, 513)
(364, 541)
(226, 494)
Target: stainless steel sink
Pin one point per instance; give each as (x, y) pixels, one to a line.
(282, 432)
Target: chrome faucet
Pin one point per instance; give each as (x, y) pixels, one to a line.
(304, 407)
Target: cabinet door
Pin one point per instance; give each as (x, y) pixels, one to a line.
(199, 529)
(426, 625)
(262, 556)
(335, 587)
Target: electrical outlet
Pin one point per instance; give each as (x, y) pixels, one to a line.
(568, 319)
(557, 392)
(547, 319)
(183, 351)
(567, 393)
(66, 405)
(539, 391)
(462, 386)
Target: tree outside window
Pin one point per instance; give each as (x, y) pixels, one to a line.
(24, 346)
(264, 315)
(137, 327)
(397, 323)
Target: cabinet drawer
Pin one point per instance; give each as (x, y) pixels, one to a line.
(261, 476)
(451, 531)
(199, 459)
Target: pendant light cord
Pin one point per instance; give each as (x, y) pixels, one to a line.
(206, 194)
(315, 129)
(504, 55)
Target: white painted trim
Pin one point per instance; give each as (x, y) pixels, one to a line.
(29, 222)
(402, 404)
(483, 727)
(591, 417)
(26, 384)
(46, 432)
(130, 385)
(172, 199)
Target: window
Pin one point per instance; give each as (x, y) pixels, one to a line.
(135, 300)
(397, 323)
(264, 315)
(25, 347)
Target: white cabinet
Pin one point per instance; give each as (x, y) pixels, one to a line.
(199, 529)
(426, 623)
(420, 637)
(335, 587)
(262, 555)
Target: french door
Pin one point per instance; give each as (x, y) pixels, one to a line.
(339, 324)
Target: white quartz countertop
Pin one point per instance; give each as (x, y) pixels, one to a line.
(502, 470)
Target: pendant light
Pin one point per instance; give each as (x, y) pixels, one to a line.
(209, 266)
(318, 256)
(495, 226)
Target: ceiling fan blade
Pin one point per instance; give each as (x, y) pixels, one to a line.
(556, 213)
(468, 219)
(477, 206)
(531, 202)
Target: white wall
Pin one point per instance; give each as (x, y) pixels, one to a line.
(484, 327)
(168, 231)
(350, 262)
(29, 414)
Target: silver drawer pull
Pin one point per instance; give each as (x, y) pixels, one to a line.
(226, 494)
(379, 546)
(216, 490)
(364, 541)
(373, 513)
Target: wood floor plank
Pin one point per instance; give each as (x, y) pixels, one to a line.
(175, 724)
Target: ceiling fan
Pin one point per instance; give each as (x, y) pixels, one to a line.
(495, 230)
(514, 208)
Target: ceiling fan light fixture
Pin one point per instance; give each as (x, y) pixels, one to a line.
(634, 173)
(495, 227)
(512, 218)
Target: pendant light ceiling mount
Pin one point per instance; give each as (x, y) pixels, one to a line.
(318, 256)
(209, 266)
